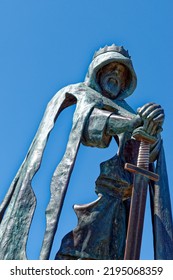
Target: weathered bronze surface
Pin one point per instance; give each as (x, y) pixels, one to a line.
(101, 115)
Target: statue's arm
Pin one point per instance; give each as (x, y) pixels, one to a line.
(117, 124)
(102, 125)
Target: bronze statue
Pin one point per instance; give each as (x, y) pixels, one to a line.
(101, 114)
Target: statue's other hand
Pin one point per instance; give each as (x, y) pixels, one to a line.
(152, 111)
(153, 116)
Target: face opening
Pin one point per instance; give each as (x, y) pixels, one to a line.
(113, 79)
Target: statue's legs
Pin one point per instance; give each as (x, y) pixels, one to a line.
(100, 233)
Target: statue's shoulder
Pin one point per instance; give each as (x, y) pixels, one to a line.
(90, 97)
(78, 91)
(74, 89)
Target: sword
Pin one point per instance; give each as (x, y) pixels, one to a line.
(139, 194)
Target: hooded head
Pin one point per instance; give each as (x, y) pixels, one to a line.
(108, 58)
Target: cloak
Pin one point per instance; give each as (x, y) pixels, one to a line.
(19, 204)
(161, 211)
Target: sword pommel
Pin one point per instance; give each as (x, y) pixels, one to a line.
(140, 135)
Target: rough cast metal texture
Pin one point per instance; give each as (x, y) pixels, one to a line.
(113, 185)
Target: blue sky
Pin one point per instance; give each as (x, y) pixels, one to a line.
(48, 44)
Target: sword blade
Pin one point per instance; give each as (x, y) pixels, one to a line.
(136, 218)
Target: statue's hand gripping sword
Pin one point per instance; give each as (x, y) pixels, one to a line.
(139, 194)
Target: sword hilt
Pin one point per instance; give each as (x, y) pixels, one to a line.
(144, 154)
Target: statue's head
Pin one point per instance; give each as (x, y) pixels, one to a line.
(111, 73)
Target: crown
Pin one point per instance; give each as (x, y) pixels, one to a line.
(112, 48)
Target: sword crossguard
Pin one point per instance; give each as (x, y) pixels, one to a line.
(138, 170)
